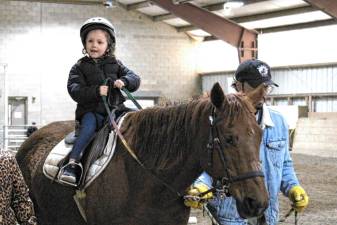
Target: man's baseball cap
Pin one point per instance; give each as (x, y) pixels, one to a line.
(254, 72)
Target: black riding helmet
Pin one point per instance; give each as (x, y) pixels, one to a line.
(97, 23)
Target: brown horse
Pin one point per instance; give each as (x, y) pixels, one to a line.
(172, 144)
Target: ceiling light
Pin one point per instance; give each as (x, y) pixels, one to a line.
(233, 4)
(109, 3)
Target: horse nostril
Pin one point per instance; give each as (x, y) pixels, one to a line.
(255, 206)
(250, 203)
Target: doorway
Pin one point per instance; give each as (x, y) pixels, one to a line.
(17, 111)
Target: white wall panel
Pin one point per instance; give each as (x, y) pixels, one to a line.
(294, 80)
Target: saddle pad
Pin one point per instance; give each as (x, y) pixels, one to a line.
(62, 149)
(58, 153)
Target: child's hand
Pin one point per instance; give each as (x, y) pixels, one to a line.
(103, 90)
(119, 84)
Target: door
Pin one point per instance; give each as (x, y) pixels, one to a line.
(17, 111)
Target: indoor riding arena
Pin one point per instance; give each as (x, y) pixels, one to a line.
(158, 60)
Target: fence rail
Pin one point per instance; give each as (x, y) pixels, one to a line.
(13, 136)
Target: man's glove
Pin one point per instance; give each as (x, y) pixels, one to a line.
(193, 198)
(299, 198)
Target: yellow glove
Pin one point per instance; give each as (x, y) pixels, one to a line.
(193, 200)
(299, 198)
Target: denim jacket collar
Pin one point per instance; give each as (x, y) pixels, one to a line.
(266, 119)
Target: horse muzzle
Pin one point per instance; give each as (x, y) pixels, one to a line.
(250, 207)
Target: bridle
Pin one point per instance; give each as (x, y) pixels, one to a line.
(214, 144)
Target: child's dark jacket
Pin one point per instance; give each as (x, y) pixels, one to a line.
(85, 78)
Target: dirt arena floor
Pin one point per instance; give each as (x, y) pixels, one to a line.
(318, 176)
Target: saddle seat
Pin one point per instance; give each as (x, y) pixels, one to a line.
(97, 156)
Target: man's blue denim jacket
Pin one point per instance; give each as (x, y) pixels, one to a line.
(277, 167)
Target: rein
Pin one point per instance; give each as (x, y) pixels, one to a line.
(131, 152)
(131, 98)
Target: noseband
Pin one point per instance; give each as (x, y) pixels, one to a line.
(214, 143)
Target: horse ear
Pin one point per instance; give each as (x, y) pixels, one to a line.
(257, 95)
(217, 95)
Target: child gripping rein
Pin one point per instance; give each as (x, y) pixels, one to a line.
(86, 86)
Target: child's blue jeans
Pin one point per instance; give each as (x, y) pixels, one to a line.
(89, 123)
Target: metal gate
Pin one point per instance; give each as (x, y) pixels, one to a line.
(15, 132)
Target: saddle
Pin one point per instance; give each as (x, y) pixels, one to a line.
(95, 159)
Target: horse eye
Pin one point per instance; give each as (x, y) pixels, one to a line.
(230, 140)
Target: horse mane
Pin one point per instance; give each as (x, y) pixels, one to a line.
(238, 107)
(161, 136)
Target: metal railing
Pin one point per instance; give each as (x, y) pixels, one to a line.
(13, 136)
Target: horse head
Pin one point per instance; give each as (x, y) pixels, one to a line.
(233, 150)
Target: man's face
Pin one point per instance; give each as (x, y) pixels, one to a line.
(246, 88)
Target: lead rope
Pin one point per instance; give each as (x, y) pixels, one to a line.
(289, 214)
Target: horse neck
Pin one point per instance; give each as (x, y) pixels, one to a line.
(170, 140)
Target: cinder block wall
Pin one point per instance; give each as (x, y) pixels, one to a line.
(316, 136)
(40, 42)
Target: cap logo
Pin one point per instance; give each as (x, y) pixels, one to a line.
(263, 70)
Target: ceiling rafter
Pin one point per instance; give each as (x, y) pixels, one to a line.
(212, 7)
(327, 6)
(243, 39)
(80, 2)
(144, 4)
(287, 27)
(162, 17)
(260, 16)
(297, 26)
(274, 14)
(139, 5)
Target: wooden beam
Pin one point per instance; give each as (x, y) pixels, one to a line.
(139, 5)
(167, 16)
(210, 38)
(274, 14)
(211, 7)
(297, 26)
(327, 6)
(74, 2)
(243, 39)
(186, 28)
(260, 16)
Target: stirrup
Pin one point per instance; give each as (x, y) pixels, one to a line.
(67, 180)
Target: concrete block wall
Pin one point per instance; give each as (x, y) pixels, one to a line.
(316, 136)
(40, 42)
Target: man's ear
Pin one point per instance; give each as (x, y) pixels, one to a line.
(218, 97)
(257, 95)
